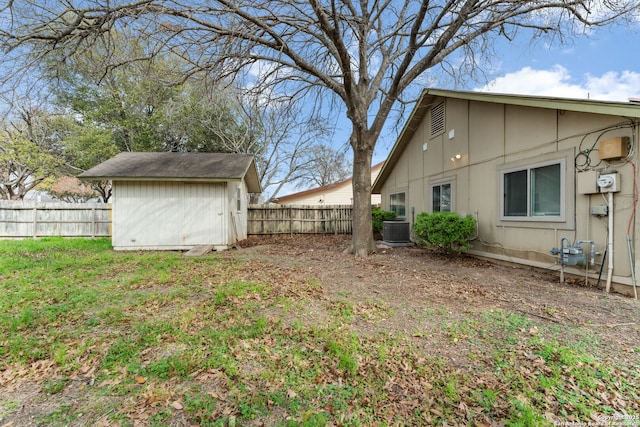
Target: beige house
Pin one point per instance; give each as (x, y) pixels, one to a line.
(340, 193)
(177, 201)
(538, 173)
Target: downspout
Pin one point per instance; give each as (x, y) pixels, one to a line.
(610, 243)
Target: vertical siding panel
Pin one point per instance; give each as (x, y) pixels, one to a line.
(202, 221)
(168, 214)
(223, 219)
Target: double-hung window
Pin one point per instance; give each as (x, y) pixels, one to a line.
(534, 193)
(398, 204)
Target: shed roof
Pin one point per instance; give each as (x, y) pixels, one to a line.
(430, 96)
(211, 167)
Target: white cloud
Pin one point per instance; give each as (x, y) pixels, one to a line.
(557, 81)
(615, 86)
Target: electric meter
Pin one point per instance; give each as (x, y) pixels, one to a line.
(609, 183)
(605, 181)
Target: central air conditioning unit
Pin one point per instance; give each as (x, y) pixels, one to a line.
(395, 231)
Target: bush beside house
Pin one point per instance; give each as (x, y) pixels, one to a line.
(447, 231)
(379, 217)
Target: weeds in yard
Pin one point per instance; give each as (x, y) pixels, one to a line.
(157, 335)
(61, 416)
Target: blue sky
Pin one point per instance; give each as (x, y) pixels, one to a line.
(604, 66)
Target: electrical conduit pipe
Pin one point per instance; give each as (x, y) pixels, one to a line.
(610, 243)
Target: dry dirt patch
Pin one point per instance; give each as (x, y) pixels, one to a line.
(409, 280)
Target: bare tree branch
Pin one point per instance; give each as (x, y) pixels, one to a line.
(365, 53)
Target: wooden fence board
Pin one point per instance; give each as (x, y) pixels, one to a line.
(298, 219)
(40, 219)
(23, 219)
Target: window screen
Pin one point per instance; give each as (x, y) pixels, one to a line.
(533, 192)
(398, 204)
(441, 198)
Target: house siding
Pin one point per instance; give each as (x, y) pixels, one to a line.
(491, 136)
(342, 195)
(335, 194)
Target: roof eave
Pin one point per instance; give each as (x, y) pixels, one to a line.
(145, 178)
(612, 108)
(630, 110)
(252, 179)
(416, 117)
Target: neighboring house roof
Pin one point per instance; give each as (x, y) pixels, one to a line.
(178, 166)
(428, 98)
(324, 189)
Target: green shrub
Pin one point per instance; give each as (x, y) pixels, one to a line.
(379, 216)
(446, 231)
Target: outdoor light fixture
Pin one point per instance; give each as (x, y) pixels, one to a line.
(456, 157)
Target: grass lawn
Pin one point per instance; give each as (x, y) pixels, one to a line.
(89, 336)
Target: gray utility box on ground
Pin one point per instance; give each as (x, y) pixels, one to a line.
(395, 231)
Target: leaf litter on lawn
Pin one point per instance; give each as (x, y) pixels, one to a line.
(289, 331)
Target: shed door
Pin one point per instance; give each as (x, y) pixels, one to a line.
(204, 215)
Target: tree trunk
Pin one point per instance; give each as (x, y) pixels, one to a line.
(362, 242)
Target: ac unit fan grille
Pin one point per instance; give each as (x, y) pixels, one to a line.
(395, 231)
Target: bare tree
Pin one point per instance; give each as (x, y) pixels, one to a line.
(365, 54)
(286, 135)
(326, 166)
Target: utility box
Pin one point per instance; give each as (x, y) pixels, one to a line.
(614, 148)
(586, 182)
(600, 210)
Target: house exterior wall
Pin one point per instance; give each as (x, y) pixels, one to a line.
(337, 194)
(170, 215)
(340, 195)
(491, 138)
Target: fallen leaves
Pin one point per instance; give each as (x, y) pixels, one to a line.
(468, 373)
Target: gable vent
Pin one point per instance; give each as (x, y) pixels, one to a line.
(437, 119)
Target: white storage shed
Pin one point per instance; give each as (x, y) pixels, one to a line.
(176, 201)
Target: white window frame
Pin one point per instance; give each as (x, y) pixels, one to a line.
(538, 218)
(451, 181)
(405, 203)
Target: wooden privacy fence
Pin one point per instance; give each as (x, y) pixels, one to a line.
(40, 219)
(22, 219)
(284, 219)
